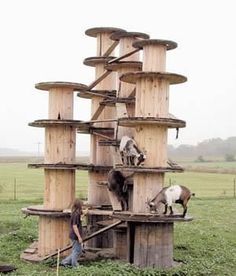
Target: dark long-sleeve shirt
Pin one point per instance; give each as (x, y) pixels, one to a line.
(75, 220)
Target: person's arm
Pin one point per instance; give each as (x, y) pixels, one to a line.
(76, 230)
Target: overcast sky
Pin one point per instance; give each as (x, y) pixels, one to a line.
(44, 40)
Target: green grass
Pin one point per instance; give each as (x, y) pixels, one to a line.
(205, 246)
(217, 165)
(204, 184)
(30, 182)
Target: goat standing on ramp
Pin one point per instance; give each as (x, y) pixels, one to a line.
(117, 183)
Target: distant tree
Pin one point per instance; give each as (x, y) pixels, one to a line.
(200, 159)
(229, 157)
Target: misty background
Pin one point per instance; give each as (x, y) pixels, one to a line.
(45, 41)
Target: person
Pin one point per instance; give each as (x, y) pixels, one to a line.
(75, 235)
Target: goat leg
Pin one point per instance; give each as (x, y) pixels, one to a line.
(185, 211)
(165, 211)
(171, 210)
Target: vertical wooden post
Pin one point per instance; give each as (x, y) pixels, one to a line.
(125, 89)
(234, 187)
(128, 64)
(97, 194)
(14, 193)
(153, 242)
(59, 189)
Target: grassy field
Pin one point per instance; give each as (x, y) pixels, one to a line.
(29, 182)
(205, 246)
(214, 167)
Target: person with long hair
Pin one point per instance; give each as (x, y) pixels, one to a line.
(75, 234)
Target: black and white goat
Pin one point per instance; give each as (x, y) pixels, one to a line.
(169, 195)
(117, 183)
(130, 153)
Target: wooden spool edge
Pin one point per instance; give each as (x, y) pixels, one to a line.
(134, 65)
(91, 130)
(165, 122)
(111, 102)
(149, 218)
(93, 32)
(93, 61)
(74, 166)
(170, 45)
(46, 86)
(44, 213)
(96, 93)
(48, 123)
(116, 36)
(143, 169)
(172, 78)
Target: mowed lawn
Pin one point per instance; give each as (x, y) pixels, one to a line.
(30, 182)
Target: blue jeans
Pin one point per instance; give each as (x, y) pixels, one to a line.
(73, 257)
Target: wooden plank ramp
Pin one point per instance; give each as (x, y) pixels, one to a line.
(85, 239)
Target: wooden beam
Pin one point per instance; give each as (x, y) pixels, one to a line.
(103, 136)
(132, 94)
(99, 94)
(101, 121)
(85, 239)
(98, 80)
(98, 112)
(110, 49)
(124, 56)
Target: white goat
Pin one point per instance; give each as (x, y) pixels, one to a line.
(130, 153)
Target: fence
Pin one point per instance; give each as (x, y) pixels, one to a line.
(17, 182)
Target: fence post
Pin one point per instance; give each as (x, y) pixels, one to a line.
(234, 187)
(14, 191)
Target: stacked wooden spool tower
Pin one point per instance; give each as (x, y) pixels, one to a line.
(59, 155)
(128, 97)
(150, 239)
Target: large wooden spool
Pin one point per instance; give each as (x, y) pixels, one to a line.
(151, 244)
(59, 186)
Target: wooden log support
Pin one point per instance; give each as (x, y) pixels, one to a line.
(153, 245)
(99, 79)
(116, 204)
(98, 112)
(123, 57)
(111, 49)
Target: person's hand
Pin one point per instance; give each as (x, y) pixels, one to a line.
(80, 240)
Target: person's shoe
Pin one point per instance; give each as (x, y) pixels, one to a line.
(65, 265)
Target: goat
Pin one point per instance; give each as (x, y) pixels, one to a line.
(130, 153)
(117, 183)
(173, 194)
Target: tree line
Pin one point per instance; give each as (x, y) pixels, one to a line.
(215, 147)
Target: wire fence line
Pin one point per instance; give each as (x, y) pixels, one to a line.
(20, 188)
